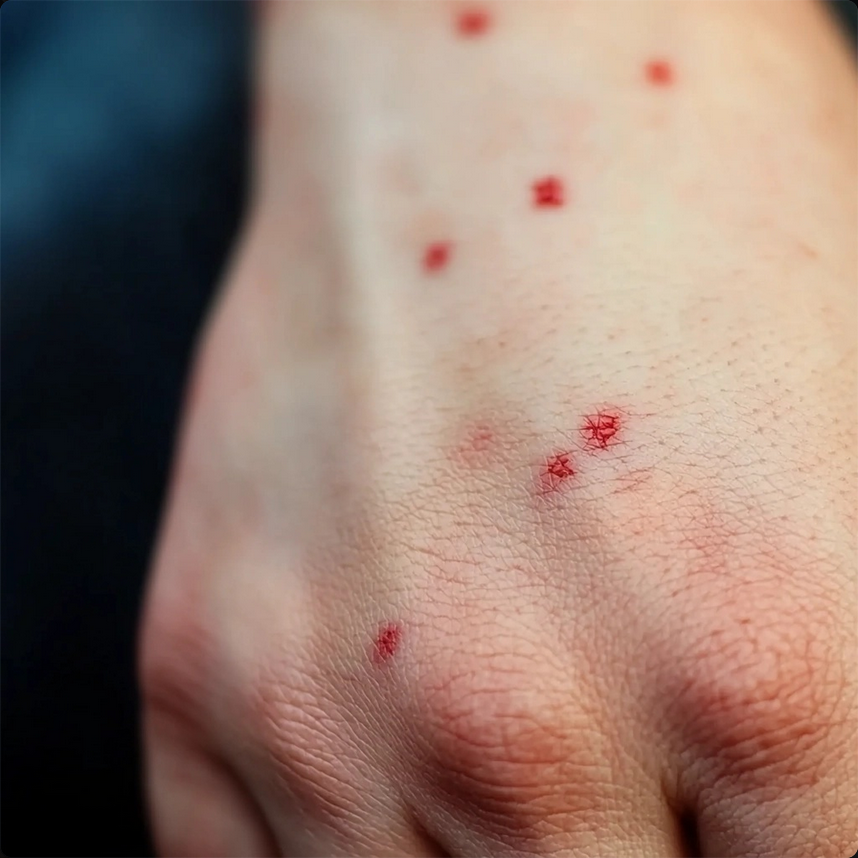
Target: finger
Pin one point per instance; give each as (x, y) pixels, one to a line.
(197, 806)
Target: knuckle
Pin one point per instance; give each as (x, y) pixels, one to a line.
(764, 695)
(505, 738)
(754, 650)
(175, 664)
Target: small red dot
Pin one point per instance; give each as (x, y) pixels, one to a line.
(387, 642)
(600, 430)
(556, 469)
(436, 255)
(659, 73)
(548, 192)
(473, 22)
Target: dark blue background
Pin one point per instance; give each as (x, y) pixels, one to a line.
(122, 167)
(124, 128)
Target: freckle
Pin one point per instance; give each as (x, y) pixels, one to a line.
(548, 192)
(659, 73)
(556, 470)
(387, 642)
(436, 256)
(600, 430)
(473, 22)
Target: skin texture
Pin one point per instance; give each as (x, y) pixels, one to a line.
(548, 550)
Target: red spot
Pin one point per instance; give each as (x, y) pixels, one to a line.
(548, 192)
(436, 255)
(481, 439)
(387, 642)
(659, 73)
(600, 430)
(473, 22)
(556, 470)
(477, 446)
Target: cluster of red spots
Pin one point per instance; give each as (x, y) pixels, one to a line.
(473, 22)
(548, 192)
(659, 72)
(386, 642)
(600, 429)
(436, 256)
(556, 470)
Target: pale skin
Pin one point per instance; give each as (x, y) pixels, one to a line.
(385, 616)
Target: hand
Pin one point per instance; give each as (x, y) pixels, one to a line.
(514, 507)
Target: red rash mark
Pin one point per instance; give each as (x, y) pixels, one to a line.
(474, 22)
(476, 448)
(387, 642)
(436, 256)
(556, 470)
(659, 73)
(600, 429)
(481, 440)
(548, 192)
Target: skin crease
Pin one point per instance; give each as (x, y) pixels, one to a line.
(669, 634)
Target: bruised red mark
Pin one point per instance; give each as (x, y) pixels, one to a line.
(659, 72)
(556, 470)
(600, 429)
(387, 642)
(436, 256)
(473, 22)
(548, 192)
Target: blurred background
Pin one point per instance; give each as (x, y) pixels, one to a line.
(123, 158)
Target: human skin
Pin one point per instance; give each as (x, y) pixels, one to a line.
(499, 528)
